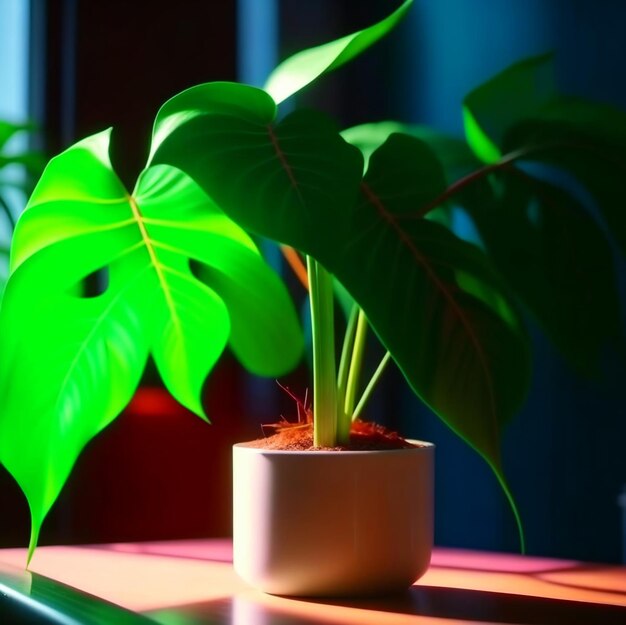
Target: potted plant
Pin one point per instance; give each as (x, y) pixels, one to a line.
(447, 310)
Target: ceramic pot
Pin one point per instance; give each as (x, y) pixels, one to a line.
(332, 523)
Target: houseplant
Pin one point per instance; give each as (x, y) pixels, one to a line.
(445, 309)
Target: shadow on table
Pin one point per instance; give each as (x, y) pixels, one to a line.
(579, 585)
(490, 607)
(419, 601)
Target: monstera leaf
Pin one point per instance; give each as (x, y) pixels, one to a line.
(304, 67)
(431, 298)
(548, 156)
(70, 364)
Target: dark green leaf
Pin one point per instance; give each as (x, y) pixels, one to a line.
(553, 253)
(596, 161)
(434, 301)
(291, 181)
(430, 297)
(556, 258)
(519, 113)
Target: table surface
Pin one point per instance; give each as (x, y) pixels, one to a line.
(192, 581)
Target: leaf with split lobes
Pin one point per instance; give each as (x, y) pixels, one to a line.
(80, 220)
(68, 367)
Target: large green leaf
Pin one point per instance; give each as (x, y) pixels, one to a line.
(68, 367)
(304, 67)
(550, 249)
(81, 220)
(582, 146)
(555, 257)
(435, 302)
(430, 297)
(291, 181)
(522, 116)
(454, 154)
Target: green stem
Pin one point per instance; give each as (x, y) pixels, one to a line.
(343, 418)
(324, 374)
(370, 386)
(356, 363)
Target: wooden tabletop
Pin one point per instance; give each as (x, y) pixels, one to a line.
(192, 581)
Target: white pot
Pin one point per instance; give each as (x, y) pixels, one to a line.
(324, 523)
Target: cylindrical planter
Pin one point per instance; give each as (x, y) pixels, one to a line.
(332, 523)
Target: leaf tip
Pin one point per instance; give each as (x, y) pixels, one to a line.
(34, 539)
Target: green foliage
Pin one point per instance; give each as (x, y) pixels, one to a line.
(70, 364)
(306, 66)
(454, 154)
(538, 234)
(33, 163)
(514, 94)
(370, 207)
(466, 358)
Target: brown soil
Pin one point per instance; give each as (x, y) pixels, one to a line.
(364, 436)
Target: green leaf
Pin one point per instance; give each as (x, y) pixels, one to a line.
(592, 152)
(8, 130)
(454, 154)
(521, 115)
(85, 356)
(4, 269)
(304, 67)
(547, 255)
(290, 179)
(32, 161)
(555, 257)
(435, 302)
(296, 182)
(513, 94)
(68, 367)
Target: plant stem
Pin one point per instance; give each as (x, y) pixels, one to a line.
(343, 418)
(324, 374)
(296, 264)
(505, 162)
(370, 386)
(356, 363)
(348, 343)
